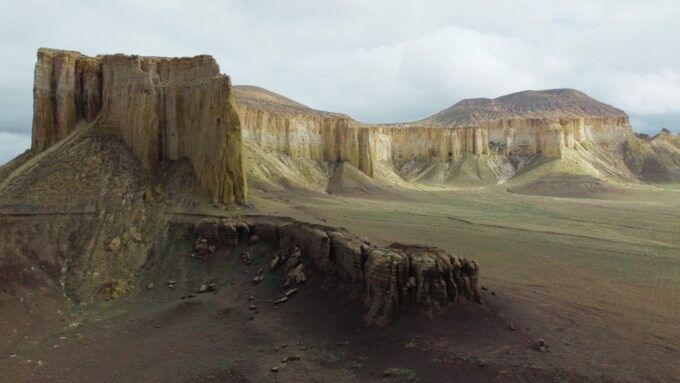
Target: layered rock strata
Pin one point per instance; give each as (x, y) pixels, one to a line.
(654, 159)
(392, 278)
(525, 123)
(163, 109)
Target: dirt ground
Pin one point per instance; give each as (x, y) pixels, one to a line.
(598, 279)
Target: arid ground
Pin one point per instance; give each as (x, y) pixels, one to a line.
(597, 278)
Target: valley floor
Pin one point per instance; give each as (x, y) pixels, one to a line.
(598, 279)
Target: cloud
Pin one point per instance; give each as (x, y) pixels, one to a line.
(381, 60)
(645, 93)
(414, 78)
(12, 144)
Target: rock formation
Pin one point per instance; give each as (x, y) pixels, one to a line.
(521, 124)
(654, 159)
(391, 279)
(162, 108)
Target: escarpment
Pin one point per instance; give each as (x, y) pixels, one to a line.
(277, 123)
(532, 122)
(491, 137)
(162, 108)
(391, 279)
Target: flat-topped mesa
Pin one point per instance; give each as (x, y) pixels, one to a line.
(524, 123)
(162, 108)
(531, 122)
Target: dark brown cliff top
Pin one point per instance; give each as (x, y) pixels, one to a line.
(263, 99)
(548, 104)
(542, 104)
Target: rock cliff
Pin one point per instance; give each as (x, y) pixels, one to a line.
(489, 136)
(162, 108)
(277, 123)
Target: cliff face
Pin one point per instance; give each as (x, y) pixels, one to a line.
(280, 124)
(162, 108)
(522, 124)
(67, 88)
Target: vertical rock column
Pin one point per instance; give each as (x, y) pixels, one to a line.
(67, 88)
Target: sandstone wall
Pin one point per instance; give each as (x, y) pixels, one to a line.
(322, 136)
(312, 136)
(67, 88)
(162, 108)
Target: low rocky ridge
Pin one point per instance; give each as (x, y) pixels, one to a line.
(390, 279)
(655, 159)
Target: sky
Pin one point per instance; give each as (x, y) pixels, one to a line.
(376, 60)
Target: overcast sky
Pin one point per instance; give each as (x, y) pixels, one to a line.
(379, 61)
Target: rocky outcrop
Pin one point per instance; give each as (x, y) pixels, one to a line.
(391, 279)
(163, 109)
(654, 159)
(521, 124)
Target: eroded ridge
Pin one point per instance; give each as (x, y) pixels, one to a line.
(390, 278)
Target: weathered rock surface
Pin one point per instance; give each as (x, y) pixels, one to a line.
(162, 108)
(654, 159)
(392, 278)
(75, 220)
(434, 149)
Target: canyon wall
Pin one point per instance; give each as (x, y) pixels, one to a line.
(279, 124)
(67, 88)
(162, 108)
(308, 134)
